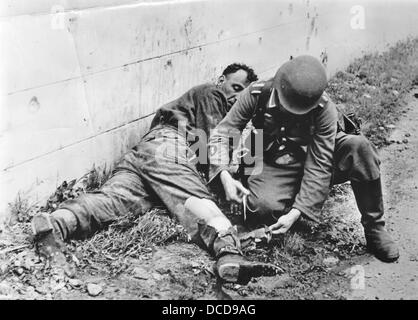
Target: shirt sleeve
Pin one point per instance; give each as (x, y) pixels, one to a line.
(316, 179)
(227, 133)
(211, 107)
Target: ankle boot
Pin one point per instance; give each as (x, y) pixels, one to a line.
(49, 242)
(231, 265)
(369, 199)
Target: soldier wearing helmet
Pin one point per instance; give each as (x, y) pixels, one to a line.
(307, 146)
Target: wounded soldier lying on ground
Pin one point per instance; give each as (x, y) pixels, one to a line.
(162, 168)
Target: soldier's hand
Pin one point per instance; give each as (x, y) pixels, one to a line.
(234, 190)
(284, 223)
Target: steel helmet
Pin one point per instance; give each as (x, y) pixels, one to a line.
(300, 82)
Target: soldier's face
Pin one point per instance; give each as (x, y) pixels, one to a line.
(232, 84)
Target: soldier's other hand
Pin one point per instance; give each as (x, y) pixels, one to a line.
(284, 223)
(234, 190)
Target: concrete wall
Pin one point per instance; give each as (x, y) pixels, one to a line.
(80, 79)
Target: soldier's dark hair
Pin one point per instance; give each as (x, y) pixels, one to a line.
(234, 67)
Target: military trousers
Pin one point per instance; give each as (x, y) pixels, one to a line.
(155, 172)
(273, 191)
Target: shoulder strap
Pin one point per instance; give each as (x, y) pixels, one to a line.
(323, 100)
(262, 89)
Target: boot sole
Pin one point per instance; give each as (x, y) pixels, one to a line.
(242, 273)
(387, 259)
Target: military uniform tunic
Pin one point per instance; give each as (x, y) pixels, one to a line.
(293, 181)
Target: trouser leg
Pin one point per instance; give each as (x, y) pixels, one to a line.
(272, 193)
(124, 193)
(175, 181)
(356, 160)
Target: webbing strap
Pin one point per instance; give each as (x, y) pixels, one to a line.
(263, 93)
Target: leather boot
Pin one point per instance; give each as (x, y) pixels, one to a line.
(231, 265)
(370, 204)
(49, 242)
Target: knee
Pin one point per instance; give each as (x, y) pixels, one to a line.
(202, 207)
(362, 149)
(260, 206)
(361, 159)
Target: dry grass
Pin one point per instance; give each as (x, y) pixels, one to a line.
(92, 180)
(21, 210)
(128, 238)
(292, 243)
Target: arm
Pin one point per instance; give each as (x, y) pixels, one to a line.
(230, 128)
(316, 179)
(228, 132)
(317, 172)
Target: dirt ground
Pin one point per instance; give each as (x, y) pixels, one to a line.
(400, 174)
(326, 261)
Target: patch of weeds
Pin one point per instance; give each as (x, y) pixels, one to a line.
(340, 236)
(129, 237)
(96, 178)
(93, 180)
(374, 87)
(292, 243)
(21, 210)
